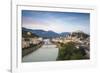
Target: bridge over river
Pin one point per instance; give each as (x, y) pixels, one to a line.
(48, 52)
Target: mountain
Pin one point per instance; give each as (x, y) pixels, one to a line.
(46, 34)
(64, 34)
(50, 34)
(42, 33)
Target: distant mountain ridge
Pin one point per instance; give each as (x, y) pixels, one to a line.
(64, 34)
(46, 34)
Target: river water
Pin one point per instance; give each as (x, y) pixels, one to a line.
(48, 52)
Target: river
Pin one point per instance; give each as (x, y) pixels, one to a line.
(48, 52)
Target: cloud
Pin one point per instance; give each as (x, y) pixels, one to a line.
(56, 22)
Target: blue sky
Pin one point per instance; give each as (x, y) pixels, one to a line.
(56, 21)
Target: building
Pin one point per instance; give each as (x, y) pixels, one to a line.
(27, 41)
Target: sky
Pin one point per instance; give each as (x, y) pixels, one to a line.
(56, 21)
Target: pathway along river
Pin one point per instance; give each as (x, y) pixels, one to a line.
(48, 52)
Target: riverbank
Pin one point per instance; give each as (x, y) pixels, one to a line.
(69, 51)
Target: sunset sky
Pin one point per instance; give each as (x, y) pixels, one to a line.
(56, 21)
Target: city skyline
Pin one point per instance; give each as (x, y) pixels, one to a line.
(56, 21)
